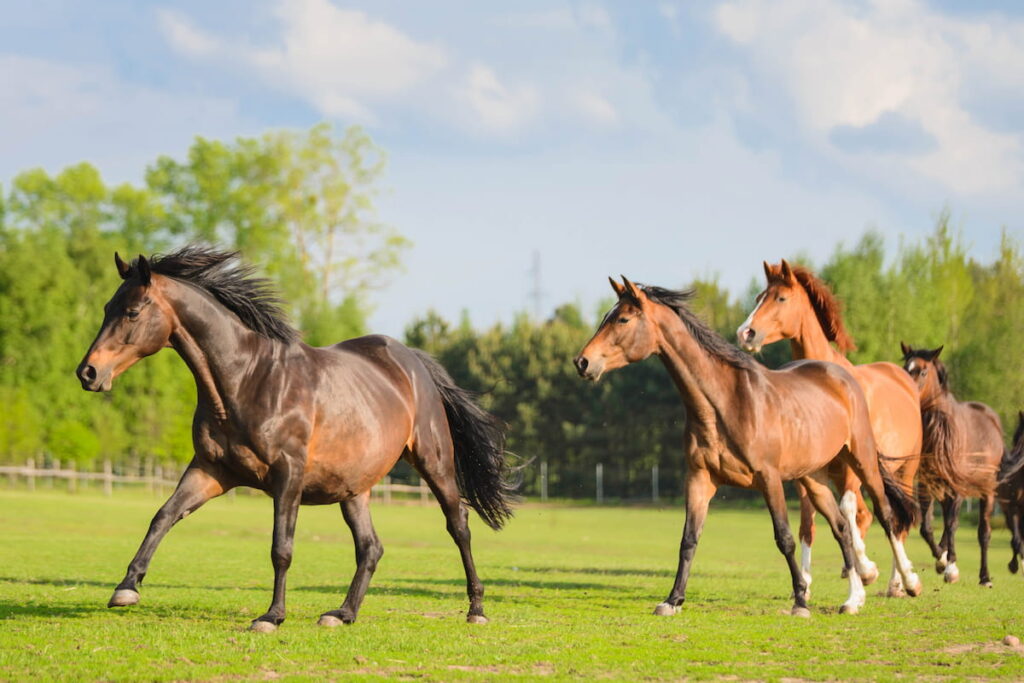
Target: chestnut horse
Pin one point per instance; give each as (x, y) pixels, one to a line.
(752, 427)
(1010, 492)
(797, 306)
(963, 445)
(306, 425)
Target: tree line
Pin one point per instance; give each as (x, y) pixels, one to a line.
(300, 206)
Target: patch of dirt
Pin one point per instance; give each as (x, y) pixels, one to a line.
(989, 647)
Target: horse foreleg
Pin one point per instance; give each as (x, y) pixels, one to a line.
(806, 535)
(950, 523)
(369, 550)
(195, 487)
(823, 499)
(1011, 511)
(771, 486)
(987, 503)
(287, 491)
(699, 491)
(926, 503)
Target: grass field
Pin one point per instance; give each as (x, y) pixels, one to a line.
(569, 593)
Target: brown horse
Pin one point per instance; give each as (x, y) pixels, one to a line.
(963, 444)
(796, 305)
(1010, 492)
(751, 427)
(306, 425)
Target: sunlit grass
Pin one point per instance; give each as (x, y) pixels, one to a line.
(569, 593)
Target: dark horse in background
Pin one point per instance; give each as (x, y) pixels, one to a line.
(1010, 492)
(755, 428)
(963, 446)
(306, 425)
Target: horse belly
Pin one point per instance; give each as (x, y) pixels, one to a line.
(345, 462)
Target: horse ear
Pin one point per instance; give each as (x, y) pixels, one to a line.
(616, 286)
(787, 272)
(123, 269)
(935, 353)
(145, 274)
(767, 270)
(631, 289)
(906, 349)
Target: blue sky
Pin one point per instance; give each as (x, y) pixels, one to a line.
(663, 140)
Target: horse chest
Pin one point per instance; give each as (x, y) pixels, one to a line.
(232, 450)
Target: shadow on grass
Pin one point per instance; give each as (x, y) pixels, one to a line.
(658, 573)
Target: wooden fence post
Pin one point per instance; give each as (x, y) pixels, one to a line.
(387, 489)
(108, 478)
(72, 477)
(30, 464)
(423, 491)
(600, 482)
(544, 481)
(654, 483)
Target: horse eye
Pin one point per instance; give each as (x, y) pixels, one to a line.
(132, 315)
(623, 321)
(781, 299)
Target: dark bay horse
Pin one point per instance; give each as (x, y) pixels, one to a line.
(751, 427)
(306, 425)
(1010, 493)
(963, 445)
(797, 306)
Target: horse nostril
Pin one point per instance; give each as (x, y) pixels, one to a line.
(88, 373)
(581, 363)
(748, 334)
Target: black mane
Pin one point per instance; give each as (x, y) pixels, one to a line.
(707, 338)
(234, 284)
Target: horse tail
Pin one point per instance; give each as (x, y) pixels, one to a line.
(940, 471)
(905, 511)
(484, 477)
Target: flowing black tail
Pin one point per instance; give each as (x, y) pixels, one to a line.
(485, 479)
(905, 511)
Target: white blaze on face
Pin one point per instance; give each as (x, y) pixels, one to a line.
(747, 323)
(848, 507)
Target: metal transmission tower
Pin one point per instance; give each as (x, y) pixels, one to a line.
(536, 293)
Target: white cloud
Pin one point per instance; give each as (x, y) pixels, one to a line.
(847, 65)
(594, 108)
(342, 61)
(495, 106)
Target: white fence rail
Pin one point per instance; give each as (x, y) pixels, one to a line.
(156, 478)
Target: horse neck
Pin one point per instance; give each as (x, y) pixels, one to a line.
(706, 384)
(811, 343)
(215, 346)
(936, 397)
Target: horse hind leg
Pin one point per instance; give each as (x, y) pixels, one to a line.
(951, 522)
(369, 550)
(844, 534)
(855, 511)
(438, 470)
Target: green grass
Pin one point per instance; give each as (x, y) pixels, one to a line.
(569, 592)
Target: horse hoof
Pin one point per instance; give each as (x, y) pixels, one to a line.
(941, 563)
(952, 574)
(848, 608)
(665, 610)
(895, 591)
(870, 575)
(801, 612)
(476, 619)
(913, 587)
(123, 597)
(328, 620)
(262, 626)
(986, 584)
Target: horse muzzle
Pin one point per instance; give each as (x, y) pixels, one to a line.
(749, 339)
(93, 379)
(587, 369)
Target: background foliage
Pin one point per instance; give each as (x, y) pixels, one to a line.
(300, 205)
